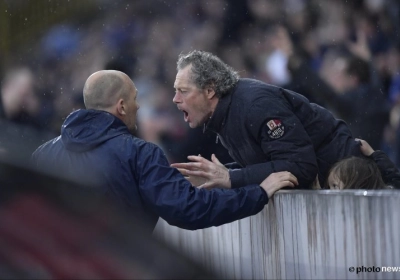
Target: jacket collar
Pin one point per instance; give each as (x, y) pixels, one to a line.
(218, 118)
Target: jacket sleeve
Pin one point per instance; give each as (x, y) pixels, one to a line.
(288, 149)
(232, 165)
(174, 199)
(390, 173)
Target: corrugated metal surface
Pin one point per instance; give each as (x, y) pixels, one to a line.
(302, 235)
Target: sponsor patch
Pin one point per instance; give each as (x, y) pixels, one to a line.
(276, 129)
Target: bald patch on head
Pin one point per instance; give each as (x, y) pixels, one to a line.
(104, 88)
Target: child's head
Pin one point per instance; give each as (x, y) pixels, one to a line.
(355, 173)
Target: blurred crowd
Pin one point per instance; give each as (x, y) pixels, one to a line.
(343, 55)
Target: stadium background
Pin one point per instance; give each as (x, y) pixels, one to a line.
(62, 42)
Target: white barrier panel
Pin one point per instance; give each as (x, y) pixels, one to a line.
(302, 235)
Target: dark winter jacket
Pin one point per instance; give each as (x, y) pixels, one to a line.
(96, 149)
(390, 172)
(365, 108)
(269, 129)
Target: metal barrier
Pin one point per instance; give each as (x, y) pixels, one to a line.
(351, 234)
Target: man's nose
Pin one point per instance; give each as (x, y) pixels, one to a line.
(176, 98)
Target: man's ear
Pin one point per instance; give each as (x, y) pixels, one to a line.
(210, 92)
(121, 107)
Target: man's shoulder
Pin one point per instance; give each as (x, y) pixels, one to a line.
(148, 152)
(139, 144)
(257, 84)
(47, 146)
(251, 89)
(50, 143)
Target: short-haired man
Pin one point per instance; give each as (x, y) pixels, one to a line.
(96, 147)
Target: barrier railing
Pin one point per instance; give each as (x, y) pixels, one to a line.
(303, 235)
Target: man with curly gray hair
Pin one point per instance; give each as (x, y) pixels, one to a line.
(265, 128)
(206, 72)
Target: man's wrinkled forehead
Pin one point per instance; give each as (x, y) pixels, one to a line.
(183, 78)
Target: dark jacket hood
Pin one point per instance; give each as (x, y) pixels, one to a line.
(84, 130)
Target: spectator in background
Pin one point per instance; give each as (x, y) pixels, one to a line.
(374, 171)
(133, 33)
(356, 99)
(362, 106)
(265, 128)
(393, 131)
(96, 148)
(20, 124)
(20, 104)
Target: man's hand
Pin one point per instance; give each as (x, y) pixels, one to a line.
(213, 173)
(365, 148)
(278, 180)
(196, 181)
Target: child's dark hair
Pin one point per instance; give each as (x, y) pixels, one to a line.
(358, 173)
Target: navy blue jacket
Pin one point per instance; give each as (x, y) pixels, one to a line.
(268, 129)
(96, 149)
